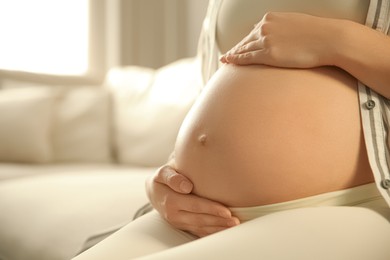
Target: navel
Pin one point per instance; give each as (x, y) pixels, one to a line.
(202, 139)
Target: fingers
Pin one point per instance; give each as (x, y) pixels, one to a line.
(177, 182)
(175, 202)
(203, 225)
(249, 47)
(197, 215)
(187, 220)
(254, 35)
(243, 54)
(201, 205)
(248, 52)
(173, 199)
(251, 37)
(247, 58)
(247, 44)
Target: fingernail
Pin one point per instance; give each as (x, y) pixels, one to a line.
(232, 223)
(185, 186)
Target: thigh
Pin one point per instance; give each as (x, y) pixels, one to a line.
(320, 233)
(145, 235)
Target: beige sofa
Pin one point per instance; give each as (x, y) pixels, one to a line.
(73, 161)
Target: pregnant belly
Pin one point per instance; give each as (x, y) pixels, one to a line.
(259, 135)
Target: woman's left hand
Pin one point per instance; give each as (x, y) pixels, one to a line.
(290, 40)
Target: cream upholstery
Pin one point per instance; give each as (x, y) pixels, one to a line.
(49, 215)
(25, 125)
(81, 126)
(148, 115)
(95, 146)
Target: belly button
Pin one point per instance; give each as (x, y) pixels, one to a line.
(202, 139)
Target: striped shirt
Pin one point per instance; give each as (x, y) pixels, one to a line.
(374, 108)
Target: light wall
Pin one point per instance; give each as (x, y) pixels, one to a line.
(156, 32)
(148, 33)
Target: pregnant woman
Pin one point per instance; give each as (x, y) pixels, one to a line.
(297, 127)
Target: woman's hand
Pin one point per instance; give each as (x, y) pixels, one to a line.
(290, 40)
(170, 194)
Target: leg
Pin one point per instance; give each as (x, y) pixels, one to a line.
(145, 235)
(304, 234)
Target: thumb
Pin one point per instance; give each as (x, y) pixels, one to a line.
(168, 176)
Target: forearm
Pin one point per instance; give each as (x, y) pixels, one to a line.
(365, 54)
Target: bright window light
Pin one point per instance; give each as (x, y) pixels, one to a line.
(44, 36)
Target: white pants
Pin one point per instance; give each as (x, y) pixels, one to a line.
(325, 232)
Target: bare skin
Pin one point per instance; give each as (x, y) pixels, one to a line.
(348, 51)
(170, 194)
(259, 135)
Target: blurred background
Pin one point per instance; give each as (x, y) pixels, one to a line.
(92, 96)
(78, 41)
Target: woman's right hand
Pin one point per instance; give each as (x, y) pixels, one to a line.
(170, 194)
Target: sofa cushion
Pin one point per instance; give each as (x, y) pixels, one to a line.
(51, 214)
(25, 124)
(81, 126)
(149, 107)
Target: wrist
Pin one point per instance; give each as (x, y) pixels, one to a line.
(335, 41)
(344, 50)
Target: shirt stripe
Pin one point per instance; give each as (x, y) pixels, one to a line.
(377, 13)
(375, 121)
